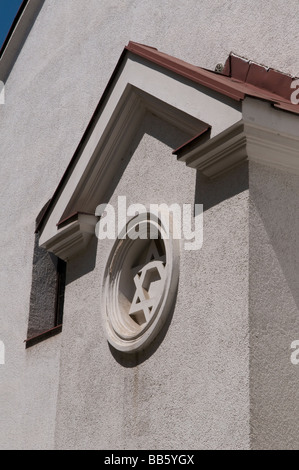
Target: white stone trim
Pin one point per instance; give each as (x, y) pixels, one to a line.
(219, 154)
(245, 141)
(73, 238)
(123, 333)
(139, 87)
(269, 147)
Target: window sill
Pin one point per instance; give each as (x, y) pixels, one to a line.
(42, 336)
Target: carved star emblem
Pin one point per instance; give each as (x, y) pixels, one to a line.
(149, 279)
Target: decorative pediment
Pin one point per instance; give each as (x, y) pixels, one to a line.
(222, 114)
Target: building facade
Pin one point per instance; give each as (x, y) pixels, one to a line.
(134, 342)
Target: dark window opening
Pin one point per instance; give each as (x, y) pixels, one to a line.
(47, 295)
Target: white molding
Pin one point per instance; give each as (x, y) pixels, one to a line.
(73, 238)
(244, 141)
(272, 148)
(219, 154)
(138, 88)
(259, 133)
(124, 332)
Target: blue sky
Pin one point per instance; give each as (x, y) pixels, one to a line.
(8, 11)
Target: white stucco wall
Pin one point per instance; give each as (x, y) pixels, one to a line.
(51, 94)
(273, 307)
(190, 389)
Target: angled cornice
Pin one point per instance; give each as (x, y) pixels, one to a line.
(219, 154)
(243, 141)
(227, 132)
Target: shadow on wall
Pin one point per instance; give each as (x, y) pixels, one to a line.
(135, 359)
(84, 263)
(207, 192)
(274, 200)
(210, 193)
(274, 307)
(162, 132)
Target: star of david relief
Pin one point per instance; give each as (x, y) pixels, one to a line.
(140, 283)
(149, 280)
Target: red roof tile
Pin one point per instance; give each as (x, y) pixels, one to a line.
(240, 77)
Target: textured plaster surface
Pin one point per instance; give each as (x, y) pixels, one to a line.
(274, 307)
(190, 388)
(51, 94)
